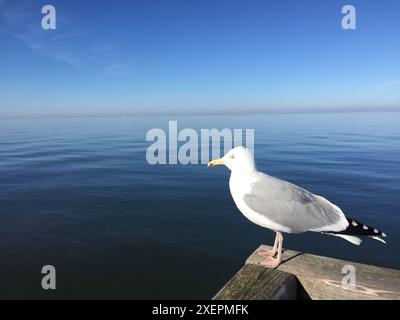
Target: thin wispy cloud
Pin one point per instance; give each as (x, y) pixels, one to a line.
(70, 43)
(389, 84)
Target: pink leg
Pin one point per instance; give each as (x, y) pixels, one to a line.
(267, 252)
(271, 262)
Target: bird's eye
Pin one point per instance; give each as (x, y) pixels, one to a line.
(232, 156)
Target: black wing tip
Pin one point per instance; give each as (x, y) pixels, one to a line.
(356, 228)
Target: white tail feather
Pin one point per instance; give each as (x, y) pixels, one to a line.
(379, 239)
(352, 239)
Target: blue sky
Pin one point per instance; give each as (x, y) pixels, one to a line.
(149, 57)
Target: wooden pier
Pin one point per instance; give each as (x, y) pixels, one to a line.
(306, 276)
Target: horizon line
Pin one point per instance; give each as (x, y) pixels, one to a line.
(204, 113)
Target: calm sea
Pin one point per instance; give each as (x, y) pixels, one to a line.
(77, 193)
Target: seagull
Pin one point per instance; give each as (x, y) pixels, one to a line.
(283, 207)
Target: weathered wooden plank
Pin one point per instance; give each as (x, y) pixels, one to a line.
(322, 277)
(254, 282)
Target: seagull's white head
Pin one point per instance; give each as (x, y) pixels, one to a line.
(237, 159)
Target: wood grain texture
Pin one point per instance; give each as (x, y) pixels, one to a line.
(254, 282)
(321, 277)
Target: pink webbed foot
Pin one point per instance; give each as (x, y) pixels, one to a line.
(271, 262)
(266, 252)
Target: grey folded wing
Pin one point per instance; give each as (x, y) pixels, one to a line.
(293, 207)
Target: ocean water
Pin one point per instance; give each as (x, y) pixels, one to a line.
(77, 193)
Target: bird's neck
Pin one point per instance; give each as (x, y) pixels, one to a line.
(243, 172)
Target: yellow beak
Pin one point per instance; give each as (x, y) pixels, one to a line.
(216, 162)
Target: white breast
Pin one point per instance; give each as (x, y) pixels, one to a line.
(239, 187)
